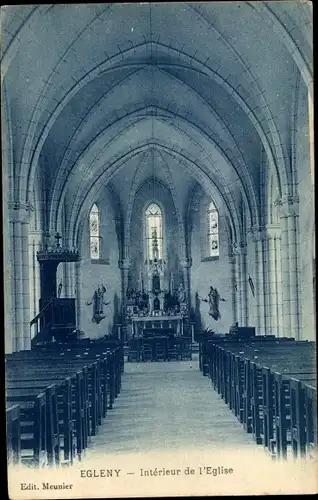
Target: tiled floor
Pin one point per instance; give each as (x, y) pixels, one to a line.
(167, 406)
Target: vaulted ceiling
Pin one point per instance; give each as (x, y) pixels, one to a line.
(186, 92)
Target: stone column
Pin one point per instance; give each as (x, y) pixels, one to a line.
(234, 285)
(237, 283)
(186, 268)
(292, 224)
(35, 238)
(19, 222)
(272, 296)
(243, 310)
(257, 236)
(289, 265)
(279, 303)
(124, 266)
(78, 295)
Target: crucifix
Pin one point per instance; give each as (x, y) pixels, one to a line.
(58, 237)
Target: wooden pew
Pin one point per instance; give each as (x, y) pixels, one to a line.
(68, 362)
(242, 359)
(87, 380)
(310, 401)
(67, 442)
(33, 443)
(14, 393)
(103, 382)
(243, 374)
(13, 434)
(57, 374)
(282, 413)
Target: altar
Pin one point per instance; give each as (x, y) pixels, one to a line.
(155, 324)
(156, 308)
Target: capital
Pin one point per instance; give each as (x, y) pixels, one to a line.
(272, 231)
(239, 247)
(289, 205)
(20, 212)
(255, 233)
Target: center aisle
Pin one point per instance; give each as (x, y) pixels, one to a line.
(167, 406)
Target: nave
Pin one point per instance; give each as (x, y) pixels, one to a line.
(168, 407)
(67, 404)
(158, 195)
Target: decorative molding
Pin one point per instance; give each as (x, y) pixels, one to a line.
(20, 212)
(239, 248)
(59, 254)
(272, 231)
(289, 205)
(55, 252)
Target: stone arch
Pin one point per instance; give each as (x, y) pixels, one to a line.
(106, 66)
(287, 39)
(195, 168)
(248, 189)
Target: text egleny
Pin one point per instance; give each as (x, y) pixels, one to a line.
(157, 472)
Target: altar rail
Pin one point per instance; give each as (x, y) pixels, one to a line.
(270, 385)
(56, 399)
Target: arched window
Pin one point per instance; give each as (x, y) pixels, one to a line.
(94, 226)
(154, 232)
(213, 230)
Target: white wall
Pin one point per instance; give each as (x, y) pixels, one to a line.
(104, 272)
(7, 269)
(306, 218)
(213, 272)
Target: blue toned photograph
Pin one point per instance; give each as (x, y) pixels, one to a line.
(159, 249)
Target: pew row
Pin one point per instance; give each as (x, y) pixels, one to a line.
(270, 385)
(68, 391)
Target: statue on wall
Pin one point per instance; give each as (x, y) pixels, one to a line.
(213, 300)
(181, 293)
(59, 289)
(98, 304)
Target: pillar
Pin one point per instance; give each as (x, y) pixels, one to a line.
(240, 252)
(234, 284)
(35, 238)
(243, 267)
(19, 225)
(186, 270)
(289, 265)
(124, 266)
(257, 236)
(279, 304)
(292, 222)
(271, 237)
(78, 295)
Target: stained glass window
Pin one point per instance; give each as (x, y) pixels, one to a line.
(94, 225)
(154, 232)
(213, 230)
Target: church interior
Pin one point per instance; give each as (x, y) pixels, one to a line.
(158, 226)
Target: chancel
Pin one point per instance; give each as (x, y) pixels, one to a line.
(158, 220)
